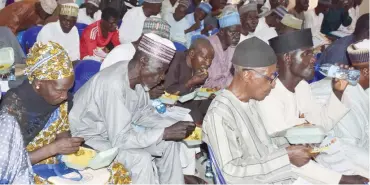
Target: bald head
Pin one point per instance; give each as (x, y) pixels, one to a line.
(201, 53)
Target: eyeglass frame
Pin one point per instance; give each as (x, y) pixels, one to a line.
(271, 80)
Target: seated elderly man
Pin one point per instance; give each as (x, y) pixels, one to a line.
(64, 31)
(291, 102)
(249, 20)
(224, 43)
(187, 72)
(245, 154)
(90, 13)
(113, 110)
(352, 129)
(22, 15)
(99, 38)
(126, 51)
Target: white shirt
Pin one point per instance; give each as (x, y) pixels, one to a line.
(314, 22)
(85, 19)
(2, 4)
(263, 32)
(69, 41)
(167, 7)
(354, 13)
(123, 52)
(132, 25)
(177, 30)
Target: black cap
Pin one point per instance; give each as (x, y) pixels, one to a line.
(291, 41)
(254, 53)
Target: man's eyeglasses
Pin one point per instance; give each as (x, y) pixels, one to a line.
(275, 75)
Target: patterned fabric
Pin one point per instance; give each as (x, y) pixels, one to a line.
(69, 9)
(157, 26)
(230, 19)
(280, 11)
(48, 62)
(359, 53)
(15, 167)
(185, 3)
(252, 6)
(154, 1)
(157, 47)
(119, 174)
(94, 2)
(49, 6)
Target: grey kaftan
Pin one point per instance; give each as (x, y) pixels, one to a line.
(108, 113)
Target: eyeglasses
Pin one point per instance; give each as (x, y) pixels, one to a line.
(275, 75)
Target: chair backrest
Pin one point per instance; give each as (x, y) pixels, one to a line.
(219, 178)
(180, 47)
(30, 37)
(84, 70)
(80, 27)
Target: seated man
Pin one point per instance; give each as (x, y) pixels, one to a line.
(249, 20)
(301, 6)
(196, 22)
(7, 39)
(112, 110)
(64, 31)
(133, 20)
(100, 37)
(245, 154)
(336, 52)
(336, 16)
(22, 15)
(187, 72)
(291, 102)
(178, 22)
(353, 129)
(90, 13)
(224, 43)
(126, 51)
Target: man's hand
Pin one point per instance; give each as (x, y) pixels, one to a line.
(198, 79)
(353, 179)
(156, 92)
(338, 84)
(178, 131)
(299, 155)
(66, 146)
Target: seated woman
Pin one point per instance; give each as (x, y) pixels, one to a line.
(41, 105)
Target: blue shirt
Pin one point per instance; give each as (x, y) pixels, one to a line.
(337, 51)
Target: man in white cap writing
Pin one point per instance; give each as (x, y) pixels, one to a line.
(133, 21)
(64, 31)
(113, 110)
(90, 13)
(22, 15)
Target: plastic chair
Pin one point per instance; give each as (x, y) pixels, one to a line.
(80, 27)
(20, 40)
(219, 178)
(179, 46)
(29, 37)
(84, 70)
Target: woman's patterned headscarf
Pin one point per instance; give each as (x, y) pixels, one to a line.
(48, 62)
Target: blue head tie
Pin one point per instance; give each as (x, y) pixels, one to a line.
(229, 20)
(206, 7)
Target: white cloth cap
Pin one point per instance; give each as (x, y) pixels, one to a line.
(49, 6)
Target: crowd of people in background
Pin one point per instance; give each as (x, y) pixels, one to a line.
(260, 56)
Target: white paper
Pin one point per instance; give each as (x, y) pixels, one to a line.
(177, 113)
(340, 33)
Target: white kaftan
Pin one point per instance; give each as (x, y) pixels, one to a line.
(244, 152)
(108, 113)
(123, 52)
(85, 19)
(314, 22)
(263, 32)
(354, 13)
(69, 41)
(352, 130)
(177, 31)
